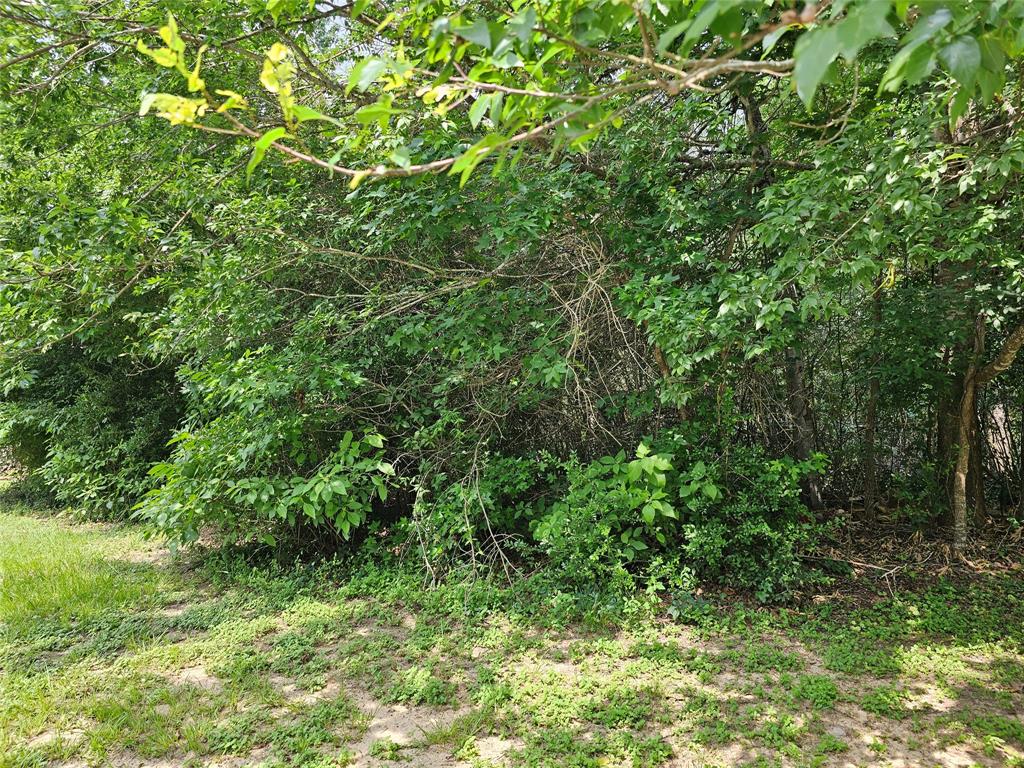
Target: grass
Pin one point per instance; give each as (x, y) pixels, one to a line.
(45, 574)
(114, 653)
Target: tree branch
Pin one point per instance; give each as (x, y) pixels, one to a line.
(1005, 357)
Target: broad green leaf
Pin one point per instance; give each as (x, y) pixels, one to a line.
(962, 57)
(476, 112)
(365, 73)
(305, 114)
(708, 13)
(400, 157)
(522, 24)
(864, 23)
(379, 112)
(669, 36)
(472, 157)
(773, 37)
(814, 53)
(274, 8)
(909, 64)
(260, 147)
(478, 32)
(925, 28)
(958, 105)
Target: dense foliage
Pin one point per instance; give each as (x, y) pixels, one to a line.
(626, 289)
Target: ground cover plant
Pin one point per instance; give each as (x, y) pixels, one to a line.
(213, 660)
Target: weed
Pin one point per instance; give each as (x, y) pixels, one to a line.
(418, 685)
(886, 701)
(386, 749)
(819, 690)
(630, 708)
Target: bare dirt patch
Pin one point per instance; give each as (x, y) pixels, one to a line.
(196, 676)
(406, 726)
(46, 738)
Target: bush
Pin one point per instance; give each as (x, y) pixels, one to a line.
(753, 536)
(735, 519)
(90, 431)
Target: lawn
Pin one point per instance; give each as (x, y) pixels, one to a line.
(114, 652)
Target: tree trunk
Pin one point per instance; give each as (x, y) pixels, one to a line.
(947, 413)
(974, 378)
(976, 473)
(962, 461)
(965, 438)
(870, 475)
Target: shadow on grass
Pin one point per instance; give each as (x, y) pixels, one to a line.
(133, 655)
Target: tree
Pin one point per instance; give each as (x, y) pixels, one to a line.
(717, 242)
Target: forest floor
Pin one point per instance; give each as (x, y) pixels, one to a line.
(114, 653)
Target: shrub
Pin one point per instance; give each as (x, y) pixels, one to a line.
(752, 537)
(89, 431)
(735, 519)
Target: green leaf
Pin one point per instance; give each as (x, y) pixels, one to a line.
(478, 32)
(472, 157)
(926, 27)
(863, 24)
(476, 112)
(708, 13)
(773, 37)
(400, 157)
(260, 147)
(274, 8)
(958, 104)
(814, 52)
(648, 513)
(379, 112)
(669, 36)
(728, 24)
(911, 64)
(962, 57)
(365, 73)
(989, 83)
(523, 23)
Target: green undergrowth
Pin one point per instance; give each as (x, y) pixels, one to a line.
(111, 650)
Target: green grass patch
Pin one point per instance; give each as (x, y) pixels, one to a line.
(49, 571)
